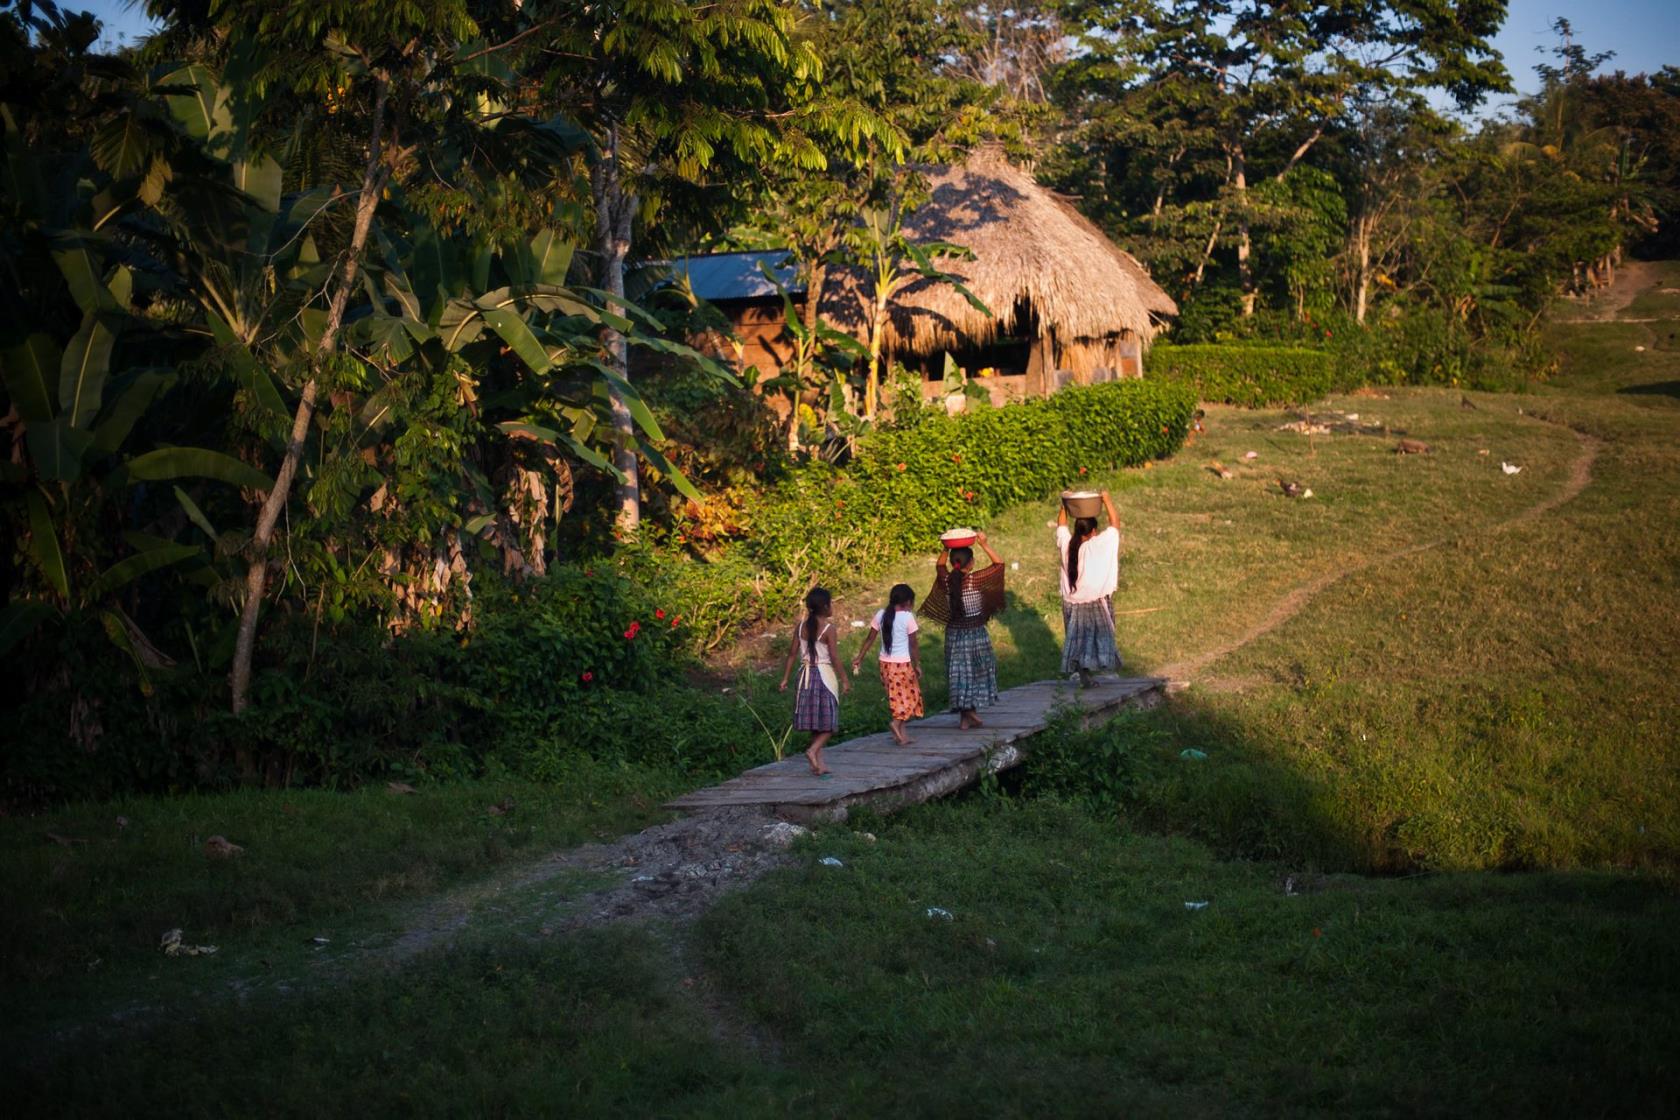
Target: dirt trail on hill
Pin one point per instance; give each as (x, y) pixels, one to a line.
(1633, 278)
(1580, 475)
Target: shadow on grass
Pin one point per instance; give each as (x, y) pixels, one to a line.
(1652, 389)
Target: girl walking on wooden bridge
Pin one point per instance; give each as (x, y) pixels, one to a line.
(822, 678)
(964, 600)
(1090, 573)
(901, 659)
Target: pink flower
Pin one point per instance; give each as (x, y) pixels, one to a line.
(588, 676)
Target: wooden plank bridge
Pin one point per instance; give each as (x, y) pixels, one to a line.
(875, 772)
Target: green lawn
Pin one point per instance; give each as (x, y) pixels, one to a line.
(1500, 701)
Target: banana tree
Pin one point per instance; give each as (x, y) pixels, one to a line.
(73, 417)
(820, 357)
(892, 260)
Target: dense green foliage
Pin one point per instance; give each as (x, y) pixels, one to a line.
(908, 484)
(1252, 376)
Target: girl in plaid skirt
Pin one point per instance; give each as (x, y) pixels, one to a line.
(822, 679)
(965, 600)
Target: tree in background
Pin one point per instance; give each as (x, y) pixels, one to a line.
(1235, 90)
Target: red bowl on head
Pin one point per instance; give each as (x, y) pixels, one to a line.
(958, 538)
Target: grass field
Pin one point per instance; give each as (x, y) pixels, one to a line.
(1474, 678)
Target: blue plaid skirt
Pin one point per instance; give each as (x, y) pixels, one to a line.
(1089, 644)
(970, 669)
(815, 708)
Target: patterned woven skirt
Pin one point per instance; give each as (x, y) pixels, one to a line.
(815, 708)
(904, 689)
(1089, 644)
(970, 668)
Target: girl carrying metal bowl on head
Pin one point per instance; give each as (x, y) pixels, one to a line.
(1090, 572)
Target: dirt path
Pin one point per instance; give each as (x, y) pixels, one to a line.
(1580, 475)
(1632, 278)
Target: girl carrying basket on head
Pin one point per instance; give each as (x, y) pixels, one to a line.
(1090, 572)
(901, 659)
(964, 600)
(822, 679)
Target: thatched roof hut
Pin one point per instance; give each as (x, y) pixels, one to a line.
(1057, 287)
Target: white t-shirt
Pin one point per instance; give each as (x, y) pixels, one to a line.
(904, 625)
(1099, 565)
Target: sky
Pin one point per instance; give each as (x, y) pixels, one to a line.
(1645, 34)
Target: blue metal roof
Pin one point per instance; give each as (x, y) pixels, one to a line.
(716, 276)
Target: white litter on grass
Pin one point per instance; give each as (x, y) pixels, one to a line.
(1509, 469)
(858, 624)
(1306, 493)
(1014, 565)
(1195, 906)
(1251, 454)
(173, 946)
(940, 912)
(830, 861)
(1353, 416)
(1639, 349)
(782, 834)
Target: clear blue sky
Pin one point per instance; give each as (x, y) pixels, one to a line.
(1645, 34)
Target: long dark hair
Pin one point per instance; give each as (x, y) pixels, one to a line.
(1082, 528)
(902, 595)
(817, 603)
(961, 560)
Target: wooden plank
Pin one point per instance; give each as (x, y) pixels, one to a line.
(872, 770)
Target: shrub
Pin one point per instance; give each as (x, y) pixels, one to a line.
(1253, 376)
(907, 484)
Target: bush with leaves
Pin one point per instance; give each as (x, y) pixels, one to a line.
(1253, 376)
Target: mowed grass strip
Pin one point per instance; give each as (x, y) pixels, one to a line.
(1070, 978)
(1079, 974)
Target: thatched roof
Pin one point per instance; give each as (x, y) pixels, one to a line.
(1031, 247)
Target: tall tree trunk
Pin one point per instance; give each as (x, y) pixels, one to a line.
(615, 209)
(877, 327)
(256, 575)
(1245, 272)
(1362, 283)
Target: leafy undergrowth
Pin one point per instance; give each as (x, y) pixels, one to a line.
(1069, 979)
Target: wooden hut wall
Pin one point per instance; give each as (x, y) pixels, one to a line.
(761, 329)
(1085, 358)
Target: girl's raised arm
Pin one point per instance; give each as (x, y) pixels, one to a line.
(990, 555)
(1108, 504)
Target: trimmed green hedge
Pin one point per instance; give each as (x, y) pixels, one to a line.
(908, 484)
(1248, 375)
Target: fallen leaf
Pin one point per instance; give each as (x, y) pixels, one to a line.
(502, 808)
(400, 787)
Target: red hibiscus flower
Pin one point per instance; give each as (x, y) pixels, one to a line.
(904, 466)
(659, 612)
(630, 634)
(588, 676)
